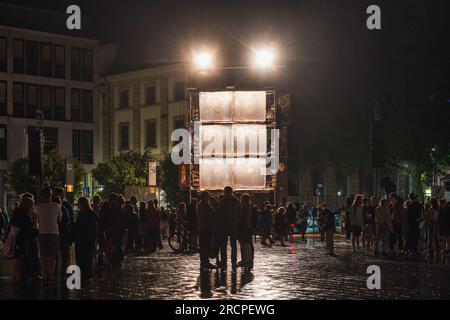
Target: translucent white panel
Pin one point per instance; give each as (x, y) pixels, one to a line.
(216, 173)
(216, 106)
(249, 106)
(216, 140)
(250, 139)
(249, 173)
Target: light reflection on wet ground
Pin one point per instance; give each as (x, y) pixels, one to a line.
(298, 271)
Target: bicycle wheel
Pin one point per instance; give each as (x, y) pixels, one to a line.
(177, 242)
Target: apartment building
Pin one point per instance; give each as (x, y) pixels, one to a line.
(57, 74)
(141, 108)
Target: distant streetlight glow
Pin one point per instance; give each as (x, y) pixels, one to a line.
(203, 61)
(264, 58)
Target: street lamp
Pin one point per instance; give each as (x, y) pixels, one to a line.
(203, 60)
(264, 58)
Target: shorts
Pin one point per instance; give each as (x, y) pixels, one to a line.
(48, 245)
(356, 230)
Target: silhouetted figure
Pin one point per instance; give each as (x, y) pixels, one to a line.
(206, 216)
(85, 235)
(228, 218)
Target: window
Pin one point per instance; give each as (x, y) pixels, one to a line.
(3, 142)
(150, 95)
(75, 63)
(87, 106)
(88, 65)
(32, 100)
(81, 105)
(32, 64)
(60, 103)
(179, 91)
(19, 100)
(150, 134)
(83, 146)
(60, 62)
(51, 140)
(3, 98)
(46, 102)
(3, 54)
(18, 49)
(46, 59)
(75, 105)
(124, 136)
(123, 98)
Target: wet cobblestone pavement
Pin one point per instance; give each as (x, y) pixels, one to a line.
(298, 271)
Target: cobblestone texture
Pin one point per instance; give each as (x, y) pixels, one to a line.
(298, 271)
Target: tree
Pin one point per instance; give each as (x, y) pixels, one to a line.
(169, 182)
(126, 169)
(417, 137)
(54, 174)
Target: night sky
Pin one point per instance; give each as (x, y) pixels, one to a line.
(337, 68)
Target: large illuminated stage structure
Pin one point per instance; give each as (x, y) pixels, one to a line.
(233, 140)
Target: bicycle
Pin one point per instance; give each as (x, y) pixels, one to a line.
(180, 241)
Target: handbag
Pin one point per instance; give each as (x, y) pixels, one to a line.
(9, 246)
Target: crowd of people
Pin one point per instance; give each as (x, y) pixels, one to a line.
(40, 236)
(391, 226)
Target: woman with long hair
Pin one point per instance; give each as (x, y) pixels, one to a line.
(357, 219)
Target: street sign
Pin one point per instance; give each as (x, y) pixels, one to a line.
(319, 189)
(70, 176)
(152, 174)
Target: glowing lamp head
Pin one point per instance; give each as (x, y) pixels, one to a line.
(203, 61)
(264, 58)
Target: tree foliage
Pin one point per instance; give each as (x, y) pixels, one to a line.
(54, 174)
(126, 169)
(169, 182)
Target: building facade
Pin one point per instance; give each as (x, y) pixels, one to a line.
(57, 74)
(140, 109)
